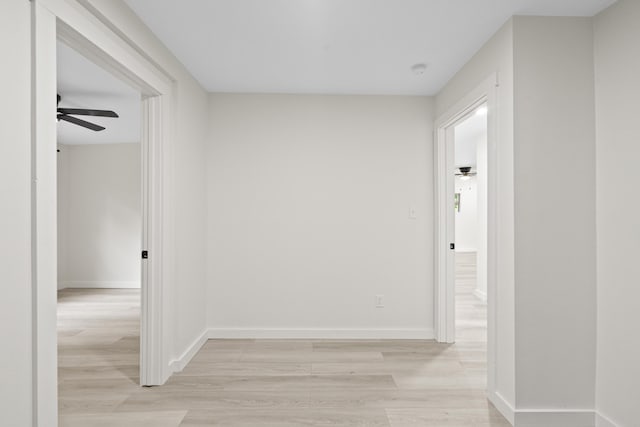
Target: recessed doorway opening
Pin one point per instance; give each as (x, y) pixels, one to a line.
(99, 229)
(470, 210)
(57, 22)
(466, 225)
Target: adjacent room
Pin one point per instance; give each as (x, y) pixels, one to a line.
(471, 227)
(99, 229)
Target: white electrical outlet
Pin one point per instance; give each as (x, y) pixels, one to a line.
(379, 301)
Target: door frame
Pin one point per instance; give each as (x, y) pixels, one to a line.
(485, 93)
(78, 27)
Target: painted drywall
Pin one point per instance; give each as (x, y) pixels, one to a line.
(185, 187)
(190, 216)
(310, 201)
(16, 400)
(617, 67)
(496, 57)
(99, 216)
(555, 249)
(467, 216)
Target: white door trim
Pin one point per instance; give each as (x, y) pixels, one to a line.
(75, 25)
(445, 217)
(154, 355)
(44, 217)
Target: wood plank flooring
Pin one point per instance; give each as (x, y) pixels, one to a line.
(471, 312)
(265, 382)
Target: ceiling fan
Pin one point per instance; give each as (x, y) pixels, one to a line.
(465, 173)
(67, 114)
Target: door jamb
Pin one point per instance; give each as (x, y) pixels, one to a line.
(486, 92)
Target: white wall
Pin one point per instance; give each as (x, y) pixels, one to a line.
(309, 215)
(15, 215)
(467, 217)
(99, 221)
(555, 248)
(497, 57)
(618, 149)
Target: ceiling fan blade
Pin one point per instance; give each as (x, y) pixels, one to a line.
(85, 112)
(80, 122)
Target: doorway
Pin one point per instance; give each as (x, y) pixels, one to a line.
(99, 202)
(470, 212)
(92, 39)
(475, 270)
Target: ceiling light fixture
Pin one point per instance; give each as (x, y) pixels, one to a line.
(419, 69)
(465, 173)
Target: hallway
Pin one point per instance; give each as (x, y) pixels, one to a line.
(267, 382)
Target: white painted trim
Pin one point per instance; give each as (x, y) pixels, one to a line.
(181, 362)
(309, 333)
(555, 418)
(501, 404)
(154, 319)
(547, 417)
(44, 237)
(466, 251)
(480, 294)
(444, 299)
(76, 284)
(602, 421)
(77, 24)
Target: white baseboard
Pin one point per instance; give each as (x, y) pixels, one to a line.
(555, 418)
(179, 364)
(602, 421)
(98, 284)
(501, 404)
(303, 333)
(480, 294)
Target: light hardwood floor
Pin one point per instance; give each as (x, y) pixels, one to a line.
(471, 312)
(264, 382)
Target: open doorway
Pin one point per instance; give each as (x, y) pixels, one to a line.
(466, 256)
(470, 210)
(99, 219)
(82, 32)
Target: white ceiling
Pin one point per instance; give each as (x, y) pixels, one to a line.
(82, 84)
(334, 46)
(467, 135)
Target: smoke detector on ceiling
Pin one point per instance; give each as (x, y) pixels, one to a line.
(419, 69)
